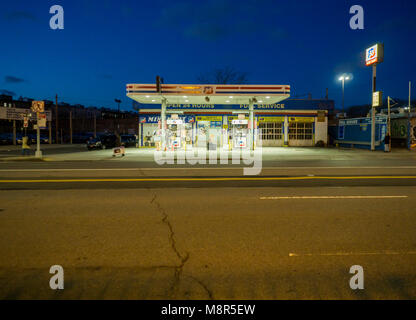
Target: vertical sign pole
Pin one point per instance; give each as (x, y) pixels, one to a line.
(343, 95)
(373, 112)
(38, 152)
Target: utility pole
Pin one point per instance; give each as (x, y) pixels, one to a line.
(14, 132)
(50, 129)
(410, 92)
(70, 126)
(14, 128)
(118, 115)
(95, 125)
(389, 123)
(56, 115)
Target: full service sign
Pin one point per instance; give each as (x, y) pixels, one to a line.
(374, 55)
(289, 104)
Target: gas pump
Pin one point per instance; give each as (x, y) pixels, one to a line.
(175, 134)
(240, 134)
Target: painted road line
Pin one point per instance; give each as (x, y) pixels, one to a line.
(334, 254)
(188, 168)
(331, 197)
(208, 179)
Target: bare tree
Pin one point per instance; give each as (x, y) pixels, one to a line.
(227, 75)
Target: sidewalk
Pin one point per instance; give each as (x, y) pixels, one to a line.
(266, 154)
(11, 152)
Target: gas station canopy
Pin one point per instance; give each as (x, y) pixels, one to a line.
(208, 94)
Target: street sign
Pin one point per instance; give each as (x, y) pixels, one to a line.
(19, 113)
(42, 120)
(377, 99)
(38, 106)
(173, 121)
(239, 121)
(25, 122)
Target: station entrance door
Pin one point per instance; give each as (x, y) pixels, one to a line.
(209, 132)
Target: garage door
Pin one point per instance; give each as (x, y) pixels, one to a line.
(301, 134)
(271, 133)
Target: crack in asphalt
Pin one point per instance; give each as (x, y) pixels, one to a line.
(183, 258)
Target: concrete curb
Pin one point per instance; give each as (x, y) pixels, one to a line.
(32, 159)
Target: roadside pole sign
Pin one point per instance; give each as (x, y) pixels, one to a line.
(374, 55)
(38, 106)
(377, 99)
(42, 120)
(25, 122)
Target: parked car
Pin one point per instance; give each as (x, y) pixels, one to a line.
(109, 141)
(128, 140)
(19, 138)
(106, 141)
(6, 138)
(93, 144)
(80, 138)
(33, 137)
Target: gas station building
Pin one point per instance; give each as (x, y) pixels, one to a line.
(227, 116)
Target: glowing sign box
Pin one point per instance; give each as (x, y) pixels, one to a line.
(377, 99)
(374, 54)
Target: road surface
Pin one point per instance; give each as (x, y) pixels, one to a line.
(193, 233)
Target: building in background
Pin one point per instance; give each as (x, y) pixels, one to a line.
(86, 121)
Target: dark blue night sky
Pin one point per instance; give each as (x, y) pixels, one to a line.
(108, 43)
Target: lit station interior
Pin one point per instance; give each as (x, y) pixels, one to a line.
(183, 116)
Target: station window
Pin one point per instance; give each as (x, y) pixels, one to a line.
(300, 130)
(271, 130)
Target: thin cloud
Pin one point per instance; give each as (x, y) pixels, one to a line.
(211, 20)
(7, 92)
(105, 76)
(12, 79)
(19, 15)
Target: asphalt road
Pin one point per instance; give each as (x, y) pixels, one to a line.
(202, 243)
(192, 233)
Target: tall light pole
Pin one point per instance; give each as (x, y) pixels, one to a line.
(342, 79)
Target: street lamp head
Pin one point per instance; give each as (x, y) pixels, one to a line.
(347, 78)
(341, 78)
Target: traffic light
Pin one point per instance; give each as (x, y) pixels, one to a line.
(159, 81)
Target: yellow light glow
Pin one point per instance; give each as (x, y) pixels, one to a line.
(191, 88)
